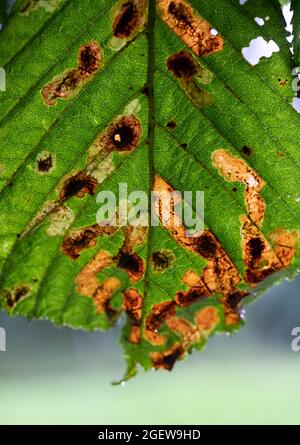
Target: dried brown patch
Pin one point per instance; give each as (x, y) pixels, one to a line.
(84, 238)
(183, 65)
(86, 281)
(185, 68)
(260, 257)
(162, 260)
(15, 296)
(135, 334)
(78, 185)
(129, 260)
(132, 305)
(67, 85)
(130, 18)
(103, 295)
(166, 360)
(193, 295)
(193, 30)
(207, 319)
(189, 334)
(159, 314)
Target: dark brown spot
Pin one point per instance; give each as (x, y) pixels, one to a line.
(78, 185)
(132, 263)
(181, 13)
(255, 247)
(234, 299)
(182, 65)
(45, 163)
(145, 90)
(206, 245)
(89, 59)
(280, 154)
(110, 312)
(162, 260)
(234, 189)
(122, 135)
(171, 124)
(126, 21)
(254, 277)
(184, 145)
(246, 150)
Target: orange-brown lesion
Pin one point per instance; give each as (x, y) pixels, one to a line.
(261, 257)
(193, 30)
(66, 85)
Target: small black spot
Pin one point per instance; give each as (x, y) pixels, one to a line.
(184, 145)
(246, 150)
(18, 235)
(9, 183)
(45, 164)
(234, 189)
(145, 90)
(182, 65)
(171, 124)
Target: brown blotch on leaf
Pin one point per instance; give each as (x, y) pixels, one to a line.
(130, 18)
(84, 238)
(193, 30)
(122, 135)
(13, 297)
(66, 85)
(193, 295)
(102, 296)
(172, 124)
(206, 245)
(162, 260)
(129, 260)
(255, 248)
(207, 319)
(182, 65)
(158, 315)
(132, 304)
(134, 334)
(78, 185)
(86, 281)
(166, 360)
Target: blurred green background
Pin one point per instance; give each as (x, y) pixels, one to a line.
(60, 376)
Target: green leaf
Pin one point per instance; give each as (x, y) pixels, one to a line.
(295, 6)
(100, 93)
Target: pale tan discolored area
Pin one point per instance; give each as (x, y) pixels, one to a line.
(207, 319)
(189, 334)
(104, 294)
(132, 305)
(29, 6)
(262, 258)
(235, 169)
(86, 281)
(67, 85)
(60, 220)
(193, 30)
